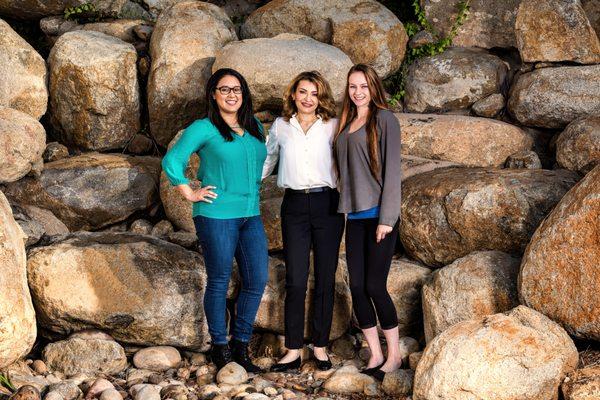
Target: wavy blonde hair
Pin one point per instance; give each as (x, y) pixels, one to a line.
(326, 107)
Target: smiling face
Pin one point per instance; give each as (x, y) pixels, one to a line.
(358, 89)
(306, 97)
(228, 103)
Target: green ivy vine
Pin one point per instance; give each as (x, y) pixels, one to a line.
(86, 11)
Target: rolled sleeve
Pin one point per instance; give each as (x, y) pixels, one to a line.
(176, 160)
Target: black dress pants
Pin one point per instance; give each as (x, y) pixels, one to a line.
(310, 220)
(368, 266)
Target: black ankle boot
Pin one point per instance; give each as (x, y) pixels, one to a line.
(240, 355)
(220, 355)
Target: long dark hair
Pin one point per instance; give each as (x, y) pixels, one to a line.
(377, 103)
(244, 114)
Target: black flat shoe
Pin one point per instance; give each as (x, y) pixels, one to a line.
(323, 365)
(282, 367)
(378, 374)
(370, 371)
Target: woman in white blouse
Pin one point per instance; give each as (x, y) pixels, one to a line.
(302, 142)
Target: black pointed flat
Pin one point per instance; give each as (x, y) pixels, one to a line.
(378, 374)
(369, 371)
(323, 365)
(282, 367)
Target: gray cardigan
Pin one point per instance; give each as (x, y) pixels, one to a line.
(358, 189)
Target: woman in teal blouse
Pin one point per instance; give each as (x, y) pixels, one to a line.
(231, 147)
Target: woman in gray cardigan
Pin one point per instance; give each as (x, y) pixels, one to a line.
(367, 149)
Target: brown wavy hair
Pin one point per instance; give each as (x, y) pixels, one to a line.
(326, 107)
(377, 103)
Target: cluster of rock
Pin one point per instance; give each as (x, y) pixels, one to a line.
(499, 218)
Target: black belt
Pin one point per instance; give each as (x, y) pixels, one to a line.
(307, 191)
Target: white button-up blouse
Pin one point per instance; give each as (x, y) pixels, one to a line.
(305, 160)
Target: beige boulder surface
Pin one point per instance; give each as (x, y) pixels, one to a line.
(139, 289)
(520, 354)
(451, 212)
(287, 57)
(18, 328)
(382, 41)
(554, 97)
(555, 31)
(183, 46)
(22, 143)
(92, 190)
(453, 80)
(592, 10)
(22, 74)
(94, 94)
(582, 384)
(560, 274)
(578, 146)
(480, 284)
(472, 141)
(87, 356)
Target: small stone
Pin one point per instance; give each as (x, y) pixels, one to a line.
(175, 392)
(524, 159)
(111, 394)
(185, 239)
(39, 367)
(155, 379)
(420, 38)
(183, 373)
(27, 392)
(67, 389)
(408, 346)
(205, 379)
(157, 358)
(51, 396)
(288, 394)
(399, 382)
(55, 151)
(140, 144)
(256, 396)
(99, 386)
(141, 227)
(490, 106)
(163, 228)
(413, 360)
(270, 391)
(232, 374)
(197, 358)
(143, 65)
(148, 392)
(208, 392)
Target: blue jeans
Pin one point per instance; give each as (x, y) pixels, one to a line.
(222, 240)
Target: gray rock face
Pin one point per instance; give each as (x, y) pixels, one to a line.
(559, 273)
(22, 74)
(490, 24)
(339, 23)
(489, 107)
(139, 289)
(555, 30)
(453, 80)
(92, 190)
(451, 212)
(285, 53)
(17, 325)
(37, 222)
(477, 142)
(553, 97)
(592, 10)
(94, 100)
(183, 47)
(517, 355)
(578, 146)
(22, 143)
(480, 284)
(92, 356)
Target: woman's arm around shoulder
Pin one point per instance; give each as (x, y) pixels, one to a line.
(272, 150)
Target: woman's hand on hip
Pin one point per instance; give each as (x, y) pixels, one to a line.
(203, 194)
(381, 232)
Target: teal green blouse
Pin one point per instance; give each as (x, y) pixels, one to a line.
(234, 168)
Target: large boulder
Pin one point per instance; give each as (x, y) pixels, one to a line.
(36, 9)
(22, 143)
(451, 212)
(286, 55)
(560, 275)
(139, 289)
(37, 222)
(472, 141)
(183, 47)
(489, 24)
(412, 165)
(405, 280)
(513, 356)
(94, 99)
(592, 10)
(453, 80)
(582, 384)
(555, 31)
(17, 324)
(22, 74)
(553, 97)
(92, 190)
(578, 146)
(382, 41)
(270, 314)
(480, 284)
